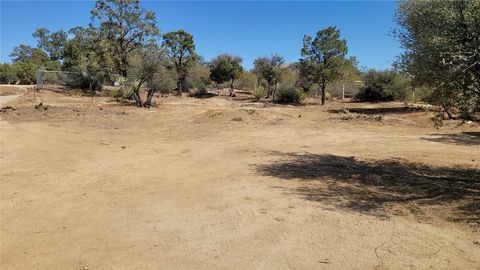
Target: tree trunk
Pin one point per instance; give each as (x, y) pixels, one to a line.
(91, 88)
(148, 102)
(274, 92)
(138, 100)
(323, 85)
(179, 87)
(232, 91)
(323, 94)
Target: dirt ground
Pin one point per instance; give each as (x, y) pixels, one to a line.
(221, 184)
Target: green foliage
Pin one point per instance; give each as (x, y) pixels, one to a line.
(290, 76)
(147, 69)
(323, 58)
(123, 91)
(269, 69)
(247, 80)
(226, 68)
(198, 77)
(26, 61)
(52, 43)
(289, 95)
(163, 80)
(8, 74)
(180, 49)
(383, 86)
(25, 53)
(350, 71)
(441, 41)
(259, 93)
(125, 27)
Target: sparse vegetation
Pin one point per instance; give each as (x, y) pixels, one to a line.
(177, 161)
(258, 93)
(269, 70)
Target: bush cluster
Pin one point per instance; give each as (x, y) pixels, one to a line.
(383, 86)
(289, 95)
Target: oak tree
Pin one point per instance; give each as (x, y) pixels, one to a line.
(226, 68)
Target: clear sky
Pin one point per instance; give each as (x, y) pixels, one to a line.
(247, 29)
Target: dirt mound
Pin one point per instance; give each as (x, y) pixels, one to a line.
(232, 115)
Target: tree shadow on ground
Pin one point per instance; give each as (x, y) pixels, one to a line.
(389, 110)
(203, 95)
(464, 138)
(378, 187)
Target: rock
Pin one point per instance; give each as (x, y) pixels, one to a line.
(378, 117)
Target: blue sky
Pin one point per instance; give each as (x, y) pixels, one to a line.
(248, 29)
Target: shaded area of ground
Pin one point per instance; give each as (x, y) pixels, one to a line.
(376, 187)
(464, 138)
(384, 110)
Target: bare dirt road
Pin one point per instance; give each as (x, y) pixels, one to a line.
(221, 184)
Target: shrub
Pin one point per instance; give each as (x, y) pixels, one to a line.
(122, 92)
(383, 86)
(259, 93)
(247, 80)
(76, 92)
(198, 93)
(289, 95)
(8, 73)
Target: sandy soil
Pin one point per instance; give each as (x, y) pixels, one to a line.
(221, 184)
(9, 93)
(11, 90)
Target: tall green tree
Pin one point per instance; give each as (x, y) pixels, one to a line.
(52, 43)
(441, 40)
(180, 50)
(27, 60)
(85, 48)
(323, 58)
(25, 53)
(270, 69)
(226, 68)
(125, 26)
